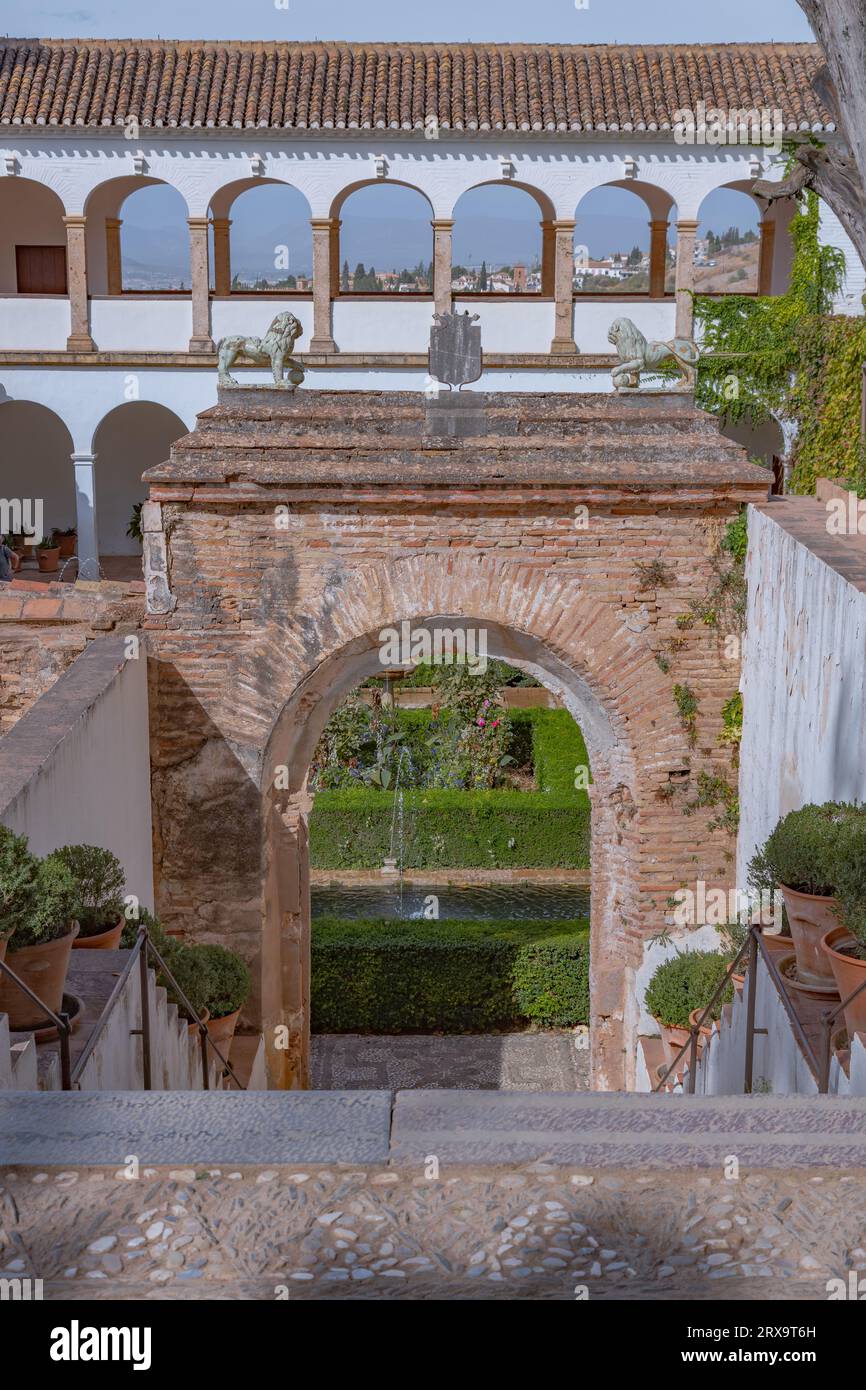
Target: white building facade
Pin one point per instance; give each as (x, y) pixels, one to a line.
(100, 380)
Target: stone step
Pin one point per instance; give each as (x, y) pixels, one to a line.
(480, 1128)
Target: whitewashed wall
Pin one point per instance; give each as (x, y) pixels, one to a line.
(88, 780)
(803, 683)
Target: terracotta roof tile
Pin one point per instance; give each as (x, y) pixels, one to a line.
(342, 86)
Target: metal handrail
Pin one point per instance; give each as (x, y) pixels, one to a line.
(143, 945)
(60, 1021)
(755, 946)
(695, 1028)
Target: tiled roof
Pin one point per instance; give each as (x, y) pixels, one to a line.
(343, 86)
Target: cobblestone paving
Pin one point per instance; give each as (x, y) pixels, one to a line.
(551, 1061)
(538, 1232)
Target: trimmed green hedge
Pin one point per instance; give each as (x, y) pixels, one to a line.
(548, 828)
(450, 977)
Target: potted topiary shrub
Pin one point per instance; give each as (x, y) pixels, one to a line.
(680, 986)
(845, 945)
(36, 914)
(227, 993)
(193, 972)
(48, 555)
(99, 888)
(800, 856)
(65, 540)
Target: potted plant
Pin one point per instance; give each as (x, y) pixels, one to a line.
(65, 540)
(799, 856)
(193, 973)
(134, 528)
(682, 987)
(36, 910)
(48, 555)
(228, 991)
(99, 888)
(845, 945)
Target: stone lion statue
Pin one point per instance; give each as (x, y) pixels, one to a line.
(273, 350)
(636, 355)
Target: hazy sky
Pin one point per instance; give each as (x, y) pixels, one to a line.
(559, 21)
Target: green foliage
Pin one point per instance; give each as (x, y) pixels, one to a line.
(454, 977)
(36, 895)
(452, 829)
(100, 884)
(18, 877)
(850, 874)
(714, 792)
(158, 935)
(228, 979)
(134, 528)
(654, 574)
(802, 852)
(825, 401)
(193, 975)
(759, 340)
(687, 705)
(351, 825)
(686, 982)
(736, 538)
(732, 722)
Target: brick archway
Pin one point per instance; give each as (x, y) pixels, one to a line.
(568, 640)
(278, 546)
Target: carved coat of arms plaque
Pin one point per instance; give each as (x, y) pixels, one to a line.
(455, 349)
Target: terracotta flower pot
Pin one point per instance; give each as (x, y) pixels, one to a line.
(108, 940)
(43, 968)
(3, 941)
(205, 1015)
(672, 1040)
(704, 1031)
(811, 918)
(48, 559)
(66, 545)
(849, 973)
(222, 1030)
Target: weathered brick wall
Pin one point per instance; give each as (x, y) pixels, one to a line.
(44, 627)
(272, 616)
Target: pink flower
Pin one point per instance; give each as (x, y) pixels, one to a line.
(495, 724)
(481, 723)
(486, 704)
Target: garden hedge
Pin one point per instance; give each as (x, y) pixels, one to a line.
(381, 976)
(547, 828)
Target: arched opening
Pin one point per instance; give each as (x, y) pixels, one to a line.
(285, 962)
(384, 242)
(32, 239)
(128, 440)
(733, 251)
(36, 469)
(137, 238)
(503, 241)
(261, 239)
(625, 241)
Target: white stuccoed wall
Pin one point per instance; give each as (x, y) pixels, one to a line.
(91, 784)
(803, 683)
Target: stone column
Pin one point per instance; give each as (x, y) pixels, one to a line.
(113, 264)
(686, 233)
(85, 515)
(325, 269)
(79, 339)
(658, 258)
(201, 340)
(548, 258)
(222, 260)
(766, 255)
(442, 229)
(563, 288)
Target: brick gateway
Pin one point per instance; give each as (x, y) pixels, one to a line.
(286, 531)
